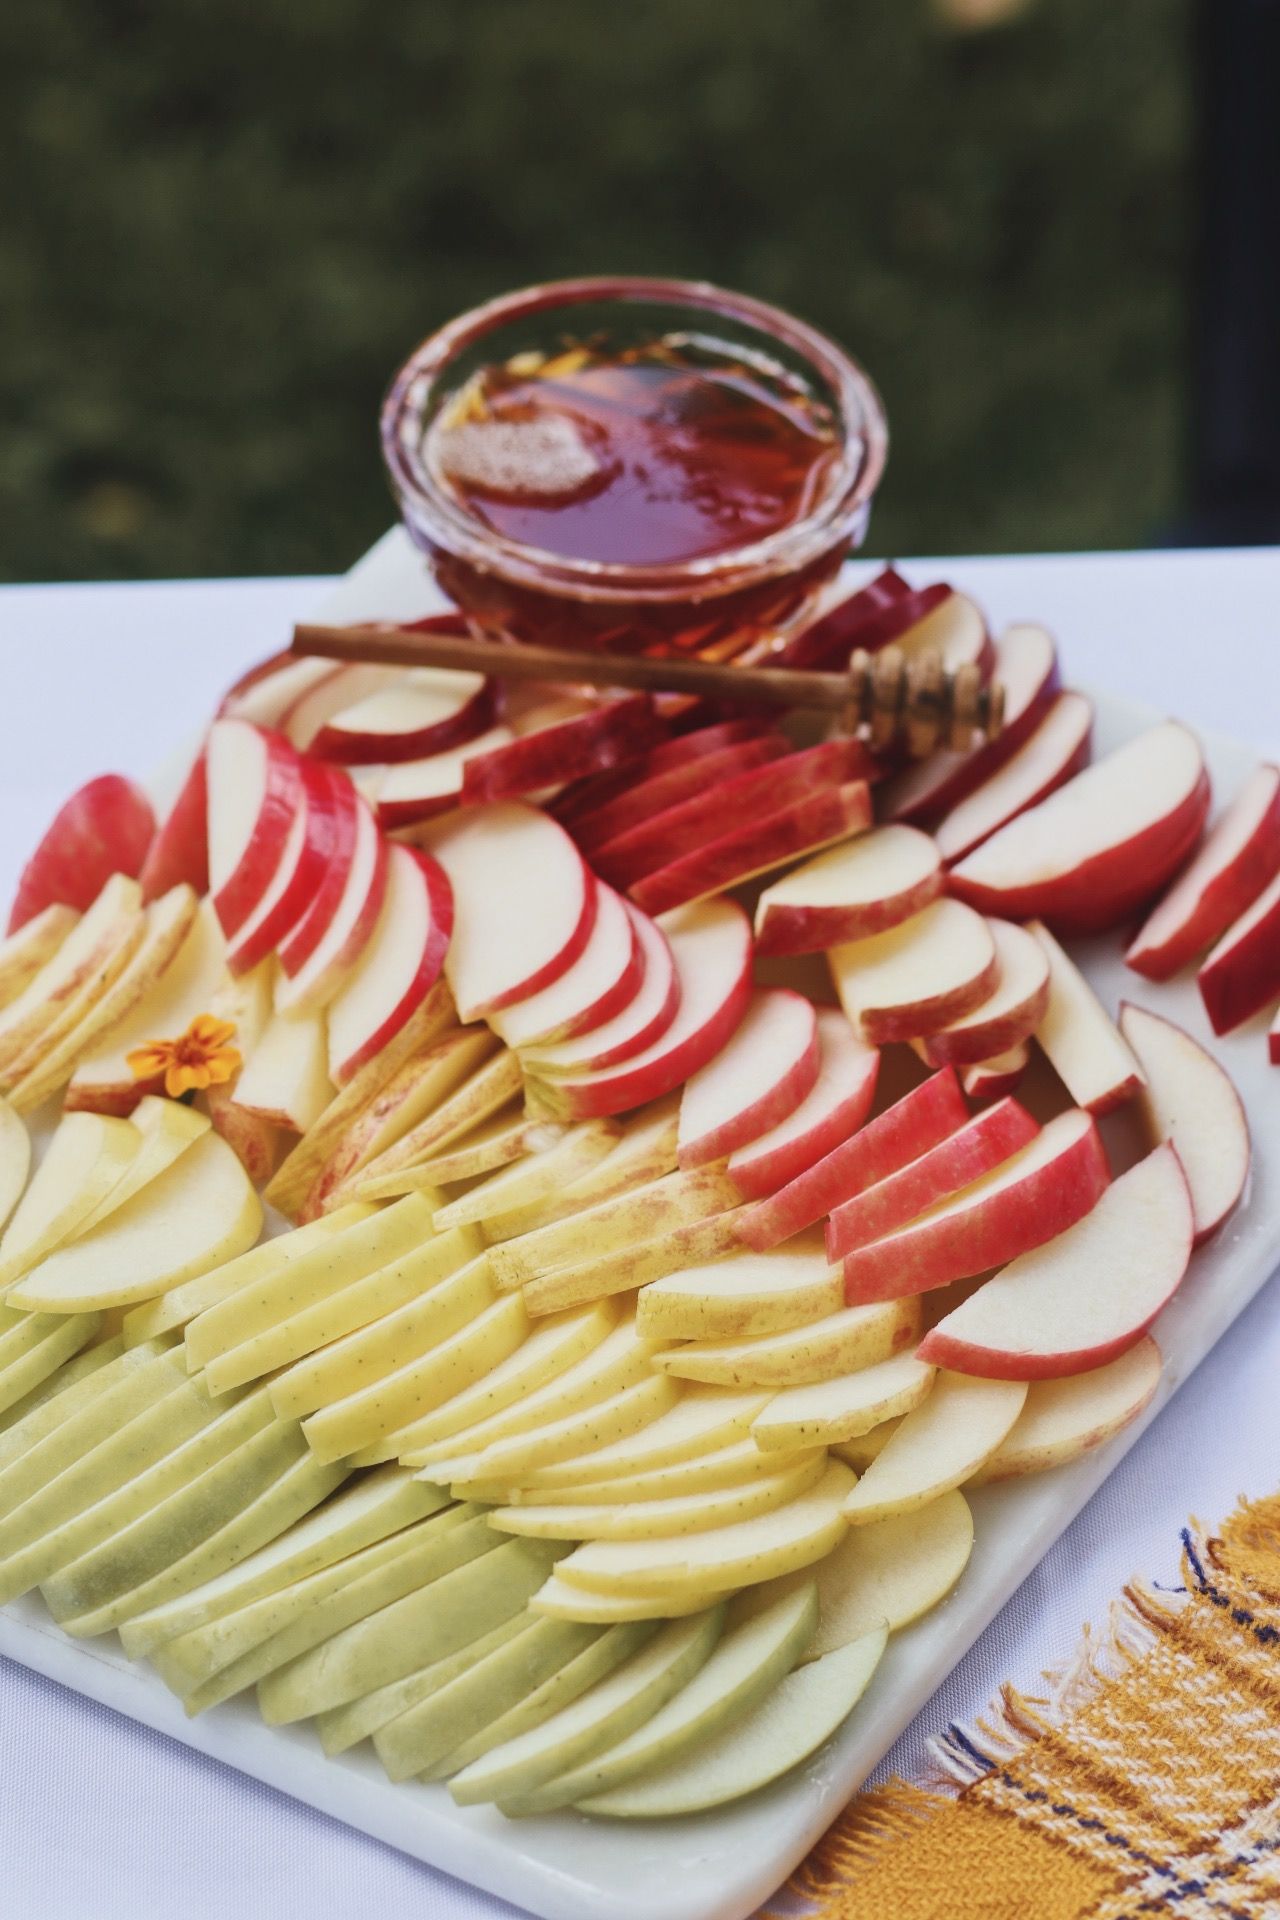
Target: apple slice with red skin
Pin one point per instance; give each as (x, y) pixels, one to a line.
(954, 630)
(303, 863)
(423, 789)
(912, 1126)
(862, 887)
(179, 853)
(254, 786)
(757, 1079)
(992, 1079)
(1084, 1046)
(1100, 846)
(711, 945)
(635, 1026)
(399, 967)
(581, 799)
(835, 1107)
(1085, 1297)
(1041, 1191)
(1273, 1040)
(973, 1150)
(1011, 1014)
(106, 827)
(267, 692)
(340, 819)
(1233, 866)
(1242, 974)
(670, 788)
(1026, 665)
(1054, 751)
(876, 615)
(524, 903)
(764, 844)
(603, 980)
(331, 960)
(1191, 1101)
(422, 712)
(919, 976)
(319, 704)
(614, 731)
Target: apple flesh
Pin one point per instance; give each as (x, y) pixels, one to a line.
(638, 1024)
(992, 1079)
(22, 954)
(329, 964)
(833, 1109)
(1040, 1192)
(304, 859)
(106, 827)
(1189, 1100)
(751, 1293)
(267, 692)
(417, 790)
(254, 781)
(917, 977)
(672, 785)
(1242, 974)
(286, 1078)
(1055, 750)
(860, 888)
(1012, 1013)
(758, 1078)
(604, 979)
(614, 731)
(1236, 862)
(843, 1408)
(179, 853)
(837, 1344)
(937, 1447)
(338, 818)
(871, 618)
(83, 966)
(399, 967)
(425, 711)
(1061, 1420)
(1083, 1044)
(739, 856)
(1082, 1299)
(328, 695)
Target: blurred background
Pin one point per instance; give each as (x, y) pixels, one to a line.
(226, 221)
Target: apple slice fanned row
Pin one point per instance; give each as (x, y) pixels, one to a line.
(31, 946)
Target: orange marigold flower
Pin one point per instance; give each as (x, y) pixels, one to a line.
(201, 1057)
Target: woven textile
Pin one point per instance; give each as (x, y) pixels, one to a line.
(1148, 1784)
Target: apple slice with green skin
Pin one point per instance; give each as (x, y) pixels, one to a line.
(603, 980)
(179, 853)
(611, 732)
(569, 1152)
(341, 1728)
(1000, 1075)
(740, 855)
(33, 1419)
(758, 1078)
(633, 1028)
(1012, 1013)
(33, 1346)
(330, 963)
(399, 967)
(860, 888)
(88, 1156)
(734, 1465)
(1042, 1190)
(105, 828)
(1084, 1046)
(81, 969)
(842, 1408)
(1231, 869)
(744, 1295)
(1063, 1419)
(975, 1149)
(753, 1655)
(286, 1078)
(672, 785)
(937, 1447)
(254, 782)
(1242, 974)
(557, 1600)
(919, 976)
(1080, 1300)
(1189, 1099)
(833, 1109)
(823, 1350)
(409, 717)
(1053, 753)
(704, 1422)
(666, 1516)
(909, 1128)
(25, 951)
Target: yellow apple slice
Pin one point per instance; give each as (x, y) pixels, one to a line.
(15, 1161)
(744, 1295)
(635, 1266)
(36, 941)
(854, 1337)
(341, 1728)
(481, 1090)
(939, 1446)
(615, 1226)
(200, 1211)
(86, 1158)
(504, 1462)
(507, 1140)
(82, 968)
(703, 1421)
(645, 1153)
(793, 1721)
(166, 1128)
(860, 1452)
(1063, 1419)
(843, 1408)
(732, 1465)
(656, 1519)
(34, 1345)
(574, 1150)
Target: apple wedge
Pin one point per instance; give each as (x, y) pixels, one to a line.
(1100, 846)
(329, 965)
(842, 1408)
(1080, 1300)
(1083, 1044)
(637, 1024)
(87, 1157)
(524, 904)
(1189, 1099)
(833, 1109)
(670, 783)
(937, 1447)
(744, 1295)
(1236, 862)
(1039, 1193)
(837, 1344)
(254, 781)
(913, 1125)
(711, 948)
(1242, 974)
(328, 694)
(165, 1128)
(415, 714)
(23, 953)
(612, 732)
(266, 692)
(406, 794)
(762, 1490)
(105, 828)
(483, 1092)
(599, 1275)
(1273, 1040)
(955, 631)
(862, 887)
(975, 1149)
(603, 980)
(644, 1152)
(179, 853)
(398, 968)
(1053, 753)
(93, 954)
(504, 1461)
(1063, 1419)
(919, 976)
(758, 1078)
(737, 1464)
(1010, 1016)
(705, 1423)
(1000, 1075)
(772, 841)
(285, 1080)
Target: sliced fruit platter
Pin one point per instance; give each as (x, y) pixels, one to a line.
(547, 1236)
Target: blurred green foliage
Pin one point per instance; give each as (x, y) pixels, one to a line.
(225, 221)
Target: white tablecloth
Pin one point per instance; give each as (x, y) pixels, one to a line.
(104, 1820)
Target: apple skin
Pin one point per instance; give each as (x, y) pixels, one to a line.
(877, 614)
(1273, 1042)
(321, 796)
(267, 693)
(890, 1015)
(836, 1108)
(241, 890)
(1175, 1065)
(1217, 888)
(349, 746)
(672, 786)
(775, 1098)
(932, 1253)
(179, 853)
(106, 827)
(340, 818)
(1242, 974)
(797, 829)
(582, 799)
(785, 927)
(992, 1079)
(981, 1035)
(427, 874)
(615, 731)
(919, 1121)
(624, 1034)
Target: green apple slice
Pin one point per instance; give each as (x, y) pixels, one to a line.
(938, 1446)
(703, 1421)
(180, 1304)
(606, 1714)
(732, 1466)
(843, 1408)
(750, 1658)
(343, 1727)
(15, 1159)
(629, 1519)
(792, 1722)
(27, 1430)
(88, 1362)
(34, 1345)
(839, 1343)
(504, 1462)
(86, 1157)
(559, 1601)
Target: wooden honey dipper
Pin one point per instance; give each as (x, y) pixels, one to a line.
(890, 696)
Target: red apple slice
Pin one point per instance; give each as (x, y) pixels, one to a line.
(1085, 1047)
(581, 799)
(179, 854)
(1012, 1012)
(1190, 1101)
(1026, 665)
(928, 1114)
(421, 789)
(917, 977)
(711, 945)
(255, 786)
(634, 1027)
(330, 962)
(1100, 846)
(303, 864)
(757, 1079)
(758, 848)
(603, 980)
(267, 693)
(1081, 1300)
(339, 820)
(1056, 749)
(105, 827)
(400, 965)
(1242, 974)
(285, 1080)
(674, 785)
(424, 711)
(524, 904)
(992, 1079)
(862, 887)
(1273, 1040)
(835, 1107)
(956, 1162)
(871, 618)
(1044, 1189)
(954, 630)
(1223, 881)
(331, 695)
(614, 731)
